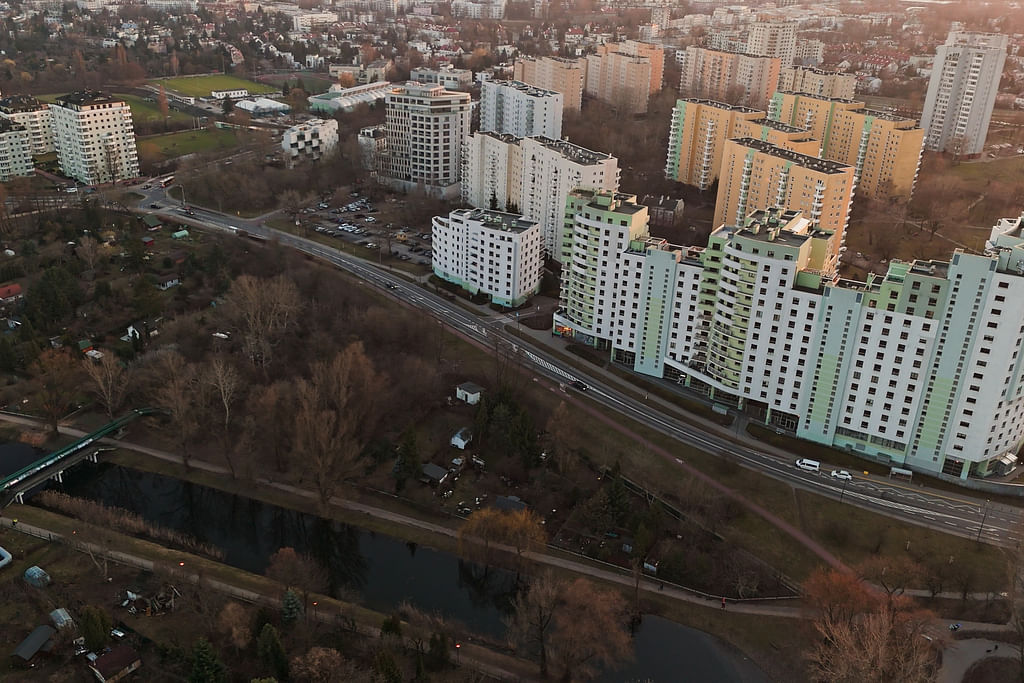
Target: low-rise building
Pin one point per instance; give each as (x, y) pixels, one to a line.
(489, 252)
(311, 140)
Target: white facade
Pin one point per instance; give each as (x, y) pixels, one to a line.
(426, 126)
(94, 137)
(311, 21)
(488, 252)
(34, 116)
(311, 140)
(373, 141)
(533, 176)
(519, 109)
(446, 76)
(773, 39)
(233, 94)
(15, 151)
(962, 92)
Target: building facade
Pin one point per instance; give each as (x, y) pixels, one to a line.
(446, 76)
(757, 176)
(734, 77)
(310, 141)
(488, 252)
(566, 76)
(94, 137)
(699, 129)
(773, 39)
(962, 92)
(426, 126)
(803, 79)
(15, 151)
(519, 109)
(533, 176)
(884, 149)
(625, 74)
(34, 116)
(919, 367)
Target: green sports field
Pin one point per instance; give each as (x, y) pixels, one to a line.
(200, 86)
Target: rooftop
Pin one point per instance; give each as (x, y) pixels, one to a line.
(581, 155)
(84, 98)
(19, 103)
(803, 160)
(531, 90)
(6, 126)
(778, 125)
(719, 105)
(498, 220)
(823, 98)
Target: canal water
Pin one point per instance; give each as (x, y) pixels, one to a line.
(380, 571)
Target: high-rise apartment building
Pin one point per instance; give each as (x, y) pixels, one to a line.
(599, 227)
(625, 74)
(773, 39)
(15, 151)
(699, 129)
(733, 77)
(566, 76)
(757, 175)
(426, 126)
(94, 137)
(533, 176)
(489, 252)
(884, 149)
(36, 118)
(919, 367)
(962, 92)
(515, 108)
(804, 79)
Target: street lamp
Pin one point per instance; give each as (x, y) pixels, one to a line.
(984, 516)
(843, 494)
(458, 658)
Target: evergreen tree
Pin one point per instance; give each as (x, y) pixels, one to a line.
(94, 625)
(407, 465)
(437, 652)
(386, 668)
(271, 652)
(291, 607)
(206, 665)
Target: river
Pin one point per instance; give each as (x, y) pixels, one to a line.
(380, 571)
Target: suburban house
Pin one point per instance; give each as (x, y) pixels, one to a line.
(148, 241)
(40, 640)
(469, 392)
(168, 281)
(462, 438)
(10, 293)
(116, 664)
(435, 475)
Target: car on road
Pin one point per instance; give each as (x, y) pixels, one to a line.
(841, 474)
(578, 385)
(154, 206)
(391, 285)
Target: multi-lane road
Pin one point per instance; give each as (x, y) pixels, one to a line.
(957, 514)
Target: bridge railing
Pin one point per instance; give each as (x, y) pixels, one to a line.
(24, 473)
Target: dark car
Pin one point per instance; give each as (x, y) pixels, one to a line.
(578, 385)
(154, 206)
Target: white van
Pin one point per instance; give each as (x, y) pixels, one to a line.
(808, 465)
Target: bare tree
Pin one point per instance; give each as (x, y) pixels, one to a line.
(265, 309)
(892, 574)
(56, 373)
(89, 251)
(533, 615)
(233, 622)
(178, 391)
(223, 379)
(590, 631)
(110, 380)
(560, 432)
(333, 419)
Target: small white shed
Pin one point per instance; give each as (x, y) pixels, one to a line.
(462, 438)
(469, 392)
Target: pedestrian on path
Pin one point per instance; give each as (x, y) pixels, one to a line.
(723, 602)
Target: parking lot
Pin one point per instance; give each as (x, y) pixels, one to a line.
(360, 222)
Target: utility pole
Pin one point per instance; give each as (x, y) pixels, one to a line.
(983, 518)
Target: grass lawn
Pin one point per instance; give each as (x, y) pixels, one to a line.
(200, 86)
(188, 142)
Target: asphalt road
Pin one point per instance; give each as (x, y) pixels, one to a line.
(964, 516)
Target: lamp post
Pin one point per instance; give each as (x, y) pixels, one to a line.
(843, 494)
(984, 516)
(458, 659)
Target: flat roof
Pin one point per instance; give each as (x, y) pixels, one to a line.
(83, 98)
(778, 125)
(500, 220)
(580, 155)
(823, 98)
(525, 88)
(814, 163)
(19, 103)
(720, 105)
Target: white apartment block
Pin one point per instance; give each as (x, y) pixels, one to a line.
(15, 151)
(311, 140)
(446, 76)
(94, 138)
(962, 92)
(920, 367)
(773, 39)
(36, 118)
(312, 21)
(519, 109)
(476, 9)
(426, 127)
(533, 176)
(489, 252)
